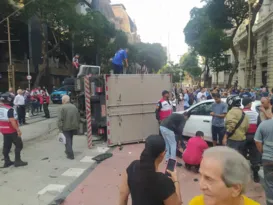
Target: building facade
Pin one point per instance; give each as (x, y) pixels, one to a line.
(261, 72)
(125, 23)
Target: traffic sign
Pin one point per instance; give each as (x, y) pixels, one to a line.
(29, 77)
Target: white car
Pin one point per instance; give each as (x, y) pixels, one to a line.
(200, 119)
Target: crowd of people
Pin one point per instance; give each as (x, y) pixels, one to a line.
(28, 102)
(238, 134)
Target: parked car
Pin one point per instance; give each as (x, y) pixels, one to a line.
(200, 119)
(56, 95)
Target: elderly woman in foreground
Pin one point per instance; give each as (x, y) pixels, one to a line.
(225, 174)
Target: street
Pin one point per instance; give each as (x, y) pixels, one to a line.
(50, 178)
(49, 171)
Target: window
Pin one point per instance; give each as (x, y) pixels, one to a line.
(203, 109)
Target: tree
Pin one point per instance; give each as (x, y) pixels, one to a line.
(174, 70)
(229, 15)
(204, 38)
(153, 54)
(189, 63)
(218, 64)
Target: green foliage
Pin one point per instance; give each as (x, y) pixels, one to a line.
(174, 70)
(153, 54)
(220, 63)
(202, 37)
(189, 63)
(227, 14)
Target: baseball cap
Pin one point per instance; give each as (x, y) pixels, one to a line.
(246, 101)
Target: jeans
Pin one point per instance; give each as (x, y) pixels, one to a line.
(170, 141)
(237, 145)
(69, 142)
(218, 134)
(10, 139)
(268, 179)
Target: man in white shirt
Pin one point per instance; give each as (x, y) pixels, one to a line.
(19, 102)
(201, 96)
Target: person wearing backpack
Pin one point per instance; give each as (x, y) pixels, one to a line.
(237, 125)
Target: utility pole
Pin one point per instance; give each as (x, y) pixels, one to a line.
(11, 73)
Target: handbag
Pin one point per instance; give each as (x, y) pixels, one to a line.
(61, 138)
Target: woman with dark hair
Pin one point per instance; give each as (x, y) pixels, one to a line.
(145, 183)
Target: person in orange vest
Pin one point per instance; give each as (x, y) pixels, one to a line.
(164, 107)
(9, 127)
(44, 100)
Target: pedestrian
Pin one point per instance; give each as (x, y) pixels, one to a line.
(219, 111)
(9, 127)
(264, 142)
(236, 125)
(68, 123)
(39, 93)
(201, 96)
(224, 178)
(265, 109)
(169, 128)
(27, 101)
(173, 101)
(164, 107)
(191, 97)
(19, 102)
(117, 61)
(251, 151)
(44, 100)
(192, 156)
(143, 180)
(186, 99)
(75, 64)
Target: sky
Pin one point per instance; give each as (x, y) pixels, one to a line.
(160, 20)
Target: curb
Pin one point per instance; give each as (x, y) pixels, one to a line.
(61, 198)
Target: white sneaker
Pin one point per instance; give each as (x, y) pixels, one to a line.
(27, 115)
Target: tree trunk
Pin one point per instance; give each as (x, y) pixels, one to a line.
(235, 65)
(206, 75)
(217, 78)
(44, 56)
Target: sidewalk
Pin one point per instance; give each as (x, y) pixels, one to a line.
(101, 187)
(49, 171)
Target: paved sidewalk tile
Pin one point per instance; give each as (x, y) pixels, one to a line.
(101, 187)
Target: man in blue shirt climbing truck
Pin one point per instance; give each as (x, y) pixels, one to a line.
(117, 61)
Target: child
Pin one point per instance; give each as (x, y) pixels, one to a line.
(192, 156)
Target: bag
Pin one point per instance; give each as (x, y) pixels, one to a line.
(61, 138)
(238, 124)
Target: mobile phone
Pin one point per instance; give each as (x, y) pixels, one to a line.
(170, 166)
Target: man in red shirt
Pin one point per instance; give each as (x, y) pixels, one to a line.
(196, 146)
(251, 152)
(164, 107)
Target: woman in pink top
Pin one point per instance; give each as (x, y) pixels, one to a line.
(196, 146)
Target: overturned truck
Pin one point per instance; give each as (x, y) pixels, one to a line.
(121, 108)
